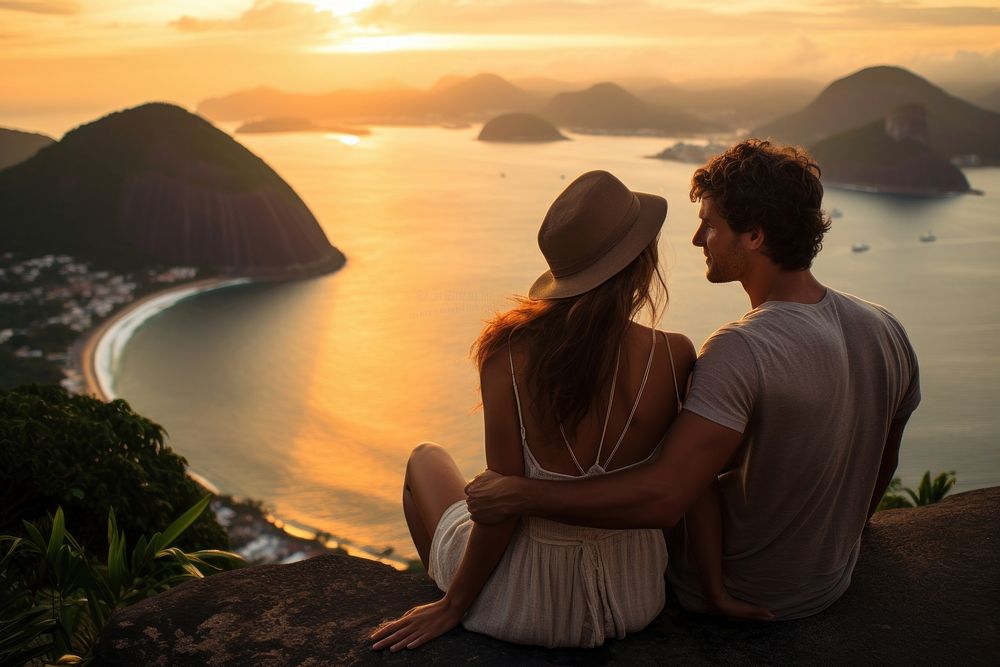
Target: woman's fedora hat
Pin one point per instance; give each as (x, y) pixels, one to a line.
(593, 230)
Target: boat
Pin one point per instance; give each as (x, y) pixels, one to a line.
(928, 237)
(860, 247)
(836, 213)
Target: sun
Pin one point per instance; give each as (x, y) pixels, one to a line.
(341, 7)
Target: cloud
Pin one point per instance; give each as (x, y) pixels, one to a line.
(266, 16)
(59, 7)
(667, 19)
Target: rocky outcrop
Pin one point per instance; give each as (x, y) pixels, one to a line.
(955, 127)
(156, 185)
(891, 156)
(926, 591)
(519, 127)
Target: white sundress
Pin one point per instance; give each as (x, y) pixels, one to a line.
(559, 584)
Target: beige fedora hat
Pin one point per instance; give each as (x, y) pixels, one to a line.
(593, 230)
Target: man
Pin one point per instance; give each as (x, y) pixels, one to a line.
(798, 408)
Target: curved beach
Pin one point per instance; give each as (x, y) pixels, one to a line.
(101, 349)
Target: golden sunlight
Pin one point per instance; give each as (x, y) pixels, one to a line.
(341, 7)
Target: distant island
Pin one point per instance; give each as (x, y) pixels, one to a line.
(956, 129)
(891, 156)
(295, 124)
(605, 108)
(520, 127)
(690, 153)
(17, 146)
(157, 185)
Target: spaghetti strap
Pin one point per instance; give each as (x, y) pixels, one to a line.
(635, 405)
(517, 399)
(607, 418)
(673, 373)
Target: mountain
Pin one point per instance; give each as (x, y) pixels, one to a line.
(519, 127)
(480, 93)
(890, 156)
(955, 126)
(158, 185)
(451, 98)
(266, 102)
(990, 100)
(607, 107)
(738, 104)
(17, 146)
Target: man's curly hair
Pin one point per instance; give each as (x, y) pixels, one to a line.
(776, 189)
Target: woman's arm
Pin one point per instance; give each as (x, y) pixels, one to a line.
(487, 544)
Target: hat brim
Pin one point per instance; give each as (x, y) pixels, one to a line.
(652, 213)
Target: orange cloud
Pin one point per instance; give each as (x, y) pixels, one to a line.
(296, 17)
(42, 6)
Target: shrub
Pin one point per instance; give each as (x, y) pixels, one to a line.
(87, 457)
(928, 493)
(55, 598)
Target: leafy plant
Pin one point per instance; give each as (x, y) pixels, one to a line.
(55, 599)
(928, 492)
(85, 456)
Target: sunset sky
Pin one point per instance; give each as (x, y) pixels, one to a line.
(106, 54)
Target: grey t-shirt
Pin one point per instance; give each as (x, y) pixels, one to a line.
(814, 388)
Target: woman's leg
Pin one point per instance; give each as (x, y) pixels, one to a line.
(433, 483)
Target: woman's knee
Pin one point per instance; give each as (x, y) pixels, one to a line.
(424, 454)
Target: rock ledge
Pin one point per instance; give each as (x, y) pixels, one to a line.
(926, 591)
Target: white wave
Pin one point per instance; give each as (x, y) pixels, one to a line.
(108, 350)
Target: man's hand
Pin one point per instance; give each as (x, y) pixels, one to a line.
(491, 497)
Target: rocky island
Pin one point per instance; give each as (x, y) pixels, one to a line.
(156, 185)
(520, 127)
(294, 124)
(891, 156)
(955, 128)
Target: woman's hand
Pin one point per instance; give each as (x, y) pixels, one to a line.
(491, 496)
(417, 626)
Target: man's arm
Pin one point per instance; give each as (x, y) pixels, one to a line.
(651, 496)
(890, 457)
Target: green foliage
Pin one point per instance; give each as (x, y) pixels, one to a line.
(929, 492)
(87, 456)
(54, 599)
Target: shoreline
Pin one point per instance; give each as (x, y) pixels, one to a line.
(96, 356)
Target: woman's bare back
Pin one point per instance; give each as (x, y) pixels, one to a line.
(656, 408)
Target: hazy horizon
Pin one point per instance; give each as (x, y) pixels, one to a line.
(102, 55)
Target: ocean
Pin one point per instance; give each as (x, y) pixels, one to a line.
(310, 395)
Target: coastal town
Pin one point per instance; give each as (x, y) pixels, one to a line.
(50, 305)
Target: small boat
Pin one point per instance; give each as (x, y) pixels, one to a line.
(860, 247)
(836, 213)
(928, 237)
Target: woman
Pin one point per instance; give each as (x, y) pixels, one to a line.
(571, 387)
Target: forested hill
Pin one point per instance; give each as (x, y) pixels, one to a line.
(955, 127)
(156, 184)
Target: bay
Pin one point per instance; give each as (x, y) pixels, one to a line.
(310, 395)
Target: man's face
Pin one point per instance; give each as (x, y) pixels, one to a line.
(724, 253)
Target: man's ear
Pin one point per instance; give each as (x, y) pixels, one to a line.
(754, 239)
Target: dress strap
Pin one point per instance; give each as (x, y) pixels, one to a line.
(638, 397)
(517, 399)
(673, 374)
(607, 418)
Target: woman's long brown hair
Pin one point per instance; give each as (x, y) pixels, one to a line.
(570, 344)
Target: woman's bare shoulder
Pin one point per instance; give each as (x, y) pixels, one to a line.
(681, 348)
